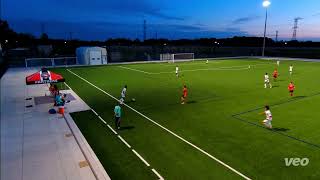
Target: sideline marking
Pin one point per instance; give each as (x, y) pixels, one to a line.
(169, 131)
(125, 142)
(94, 112)
(159, 176)
(112, 129)
(140, 157)
(101, 119)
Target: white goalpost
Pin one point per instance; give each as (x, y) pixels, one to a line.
(171, 58)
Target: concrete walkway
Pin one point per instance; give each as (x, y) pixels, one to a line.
(36, 145)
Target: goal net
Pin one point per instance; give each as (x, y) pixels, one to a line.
(177, 57)
(47, 62)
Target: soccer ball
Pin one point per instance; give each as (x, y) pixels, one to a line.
(133, 99)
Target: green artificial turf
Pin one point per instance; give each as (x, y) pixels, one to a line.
(221, 117)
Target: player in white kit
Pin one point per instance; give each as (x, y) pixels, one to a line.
(290, 69)
(278, 63)
(267, 81)
(177, 71)
(267, 121)
(123, 94)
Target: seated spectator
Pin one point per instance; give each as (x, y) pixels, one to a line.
(56, 90)
(51, 89)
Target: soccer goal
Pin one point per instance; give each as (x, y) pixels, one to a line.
(171, 58)
(46, 62)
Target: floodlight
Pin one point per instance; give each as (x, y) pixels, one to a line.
(266, 3)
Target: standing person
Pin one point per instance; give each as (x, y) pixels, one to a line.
(267, 121)
(291, 88)
(184, 94)
(117, 116)
(177, 71)
(267, 81)
(278, 63)
(123, 94)
(275, 75)
(291, 69)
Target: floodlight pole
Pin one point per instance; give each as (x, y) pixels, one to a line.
(265, 30)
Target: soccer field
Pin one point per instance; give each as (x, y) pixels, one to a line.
(217, 134)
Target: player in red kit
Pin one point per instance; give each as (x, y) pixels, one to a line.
(275, 75)
(291, 88)
(184, 94)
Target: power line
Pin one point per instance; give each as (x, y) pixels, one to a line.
(295, 27)
(144, 30)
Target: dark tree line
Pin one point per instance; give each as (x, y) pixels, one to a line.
(10, 39)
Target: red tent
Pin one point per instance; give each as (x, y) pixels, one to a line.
(43, 77)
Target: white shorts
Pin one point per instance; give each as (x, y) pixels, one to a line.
(267, 121)
(266, 81)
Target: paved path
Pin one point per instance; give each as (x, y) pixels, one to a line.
(34, 144)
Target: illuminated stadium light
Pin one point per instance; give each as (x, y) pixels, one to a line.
(266, 3)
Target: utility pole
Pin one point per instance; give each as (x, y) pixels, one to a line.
(144, 30)
(42, 28)
(70, 35)
(0, 10)
(277, 36)
(295, 27)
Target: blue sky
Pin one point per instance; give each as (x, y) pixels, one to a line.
(173, 19)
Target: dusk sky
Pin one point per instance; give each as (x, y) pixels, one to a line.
(173, 19)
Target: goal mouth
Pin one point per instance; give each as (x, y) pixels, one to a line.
(171, 58)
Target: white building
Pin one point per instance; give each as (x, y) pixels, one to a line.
(91, 55)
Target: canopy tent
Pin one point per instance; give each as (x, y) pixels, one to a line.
(43, 77)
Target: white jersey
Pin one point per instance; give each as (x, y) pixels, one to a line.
(268, 115)
(291, 68)
(278, 63)
(177, 70)
(266, 78)
(123, 92)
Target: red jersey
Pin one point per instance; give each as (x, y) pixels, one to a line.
(275, 73)
(185, 92)
(291, 87)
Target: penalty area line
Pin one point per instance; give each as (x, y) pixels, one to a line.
(166, 129)
(137, 70)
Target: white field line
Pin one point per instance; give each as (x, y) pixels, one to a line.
(94, 112)
(156, 173)
(190, 64)
(140, 157)
(115, 132)
(164, 128)
(102, 119)
(226, 68)
(125, 142)
(132, 69)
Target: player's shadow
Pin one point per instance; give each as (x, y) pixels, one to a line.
(275, 86)
(280, 129)
(123, 128)
(297, 97)
(191, 102)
